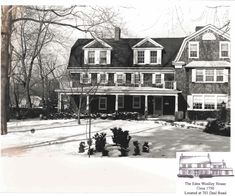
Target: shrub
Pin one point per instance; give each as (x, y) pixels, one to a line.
(217, 127)
(100, 141)
(121, 138)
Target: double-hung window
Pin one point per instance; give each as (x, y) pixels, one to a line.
(158, 79)
(136, 102)
(209, 102)
(102, 103)
(103, 57)
(199, 75)
(193, 49)
(120, 79)
(103, 78)
(85, 78)
(153, 56)
(120, 101)
(136, 78)
(219, 75)
(91, 57)
(209, 75)
(221, 99)
(197, 101)
(140, 56)
(224, 49)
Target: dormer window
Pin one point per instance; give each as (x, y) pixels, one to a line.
(103, 57)
(140, 56)
(147, 51)
(91, 57)
(193, 50)
(153, 56)
(224, 49)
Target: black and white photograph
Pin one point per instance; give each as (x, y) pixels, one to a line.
(100, 96)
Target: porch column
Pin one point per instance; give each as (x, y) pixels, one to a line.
(176, 103)
(116, 103)
(146, 103)
(87, 102)
(59, 102)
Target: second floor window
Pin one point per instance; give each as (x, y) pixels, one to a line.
(153, 56)
(219, 75)
(199, 75)
(103, 57)
(103, 78)
(140, 57)
(193, 49)
(91, 57)
(158, 79)
(210, 75)
(119, 78)
(136, 78)
(85, 78)
(224, 49)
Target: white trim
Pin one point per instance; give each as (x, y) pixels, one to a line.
(97, 40)
(147, 56)
(145, 40)
(203, 101)
(224, 42)
(191, 43)
(193, 35)
(104, 98)
(81, 77)
(106, 78)
(139, 106)
(97, 52)
(225, 76)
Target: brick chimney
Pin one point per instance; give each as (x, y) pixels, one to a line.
(117, 33)
(198, 28)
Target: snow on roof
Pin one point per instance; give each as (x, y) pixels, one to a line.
(194, 159)
(208, 64)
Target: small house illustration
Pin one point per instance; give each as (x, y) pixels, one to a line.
(202, 166)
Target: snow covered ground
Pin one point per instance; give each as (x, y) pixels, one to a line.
(62, 137)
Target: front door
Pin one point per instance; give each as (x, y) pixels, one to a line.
(157, 106)
(168, 105)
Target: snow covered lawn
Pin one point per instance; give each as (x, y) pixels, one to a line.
(62, 137)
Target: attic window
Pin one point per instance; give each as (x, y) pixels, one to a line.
(103, 57)
(153, 56)
(193, 49)
(224, 49)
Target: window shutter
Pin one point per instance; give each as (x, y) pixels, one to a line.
(134, 56)
(85, 57)
(81, 77)
(153, 78)
(226, 75)
(193, 75)
(190, 102)
(115, 78)
(89, 75)
(108, 56)
(132, 78)
(162, 78)
(142, 78)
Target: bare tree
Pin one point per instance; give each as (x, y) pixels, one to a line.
(86, 19)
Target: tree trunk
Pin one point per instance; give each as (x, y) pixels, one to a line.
(79, 109)
(5, 42)
(28, 99)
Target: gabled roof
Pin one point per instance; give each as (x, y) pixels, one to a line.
(147, 43)
(195, 34)
(122, 52)
(97, 43)
(194, 159)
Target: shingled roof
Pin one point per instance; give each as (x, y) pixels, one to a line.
(122, 53)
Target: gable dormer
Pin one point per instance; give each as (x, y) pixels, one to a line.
(97, 52)
(147, 51)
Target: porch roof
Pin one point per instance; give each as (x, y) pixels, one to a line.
(122, 90)
(205, 64)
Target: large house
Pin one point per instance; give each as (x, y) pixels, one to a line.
(202, 166)
(153, 76)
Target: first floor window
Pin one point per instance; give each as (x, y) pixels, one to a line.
(102, 103)
(120, 101)
(136, 102)
(119, 78)
(210, 75)
(199, 75)
(91, 57)
(197, 101)
(140, 56)
(221, 99)
(153, 56)
(103, 57)
(209, 102)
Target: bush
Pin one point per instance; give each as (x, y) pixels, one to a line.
(121, 138)
(100, 141)
(24, 113)
(217, 127)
